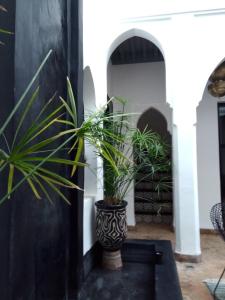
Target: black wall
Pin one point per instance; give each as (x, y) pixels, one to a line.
(75, 66)
(7, 21)
(41, 244)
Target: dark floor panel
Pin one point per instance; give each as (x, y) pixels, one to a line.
(134, 281)
(149, 273)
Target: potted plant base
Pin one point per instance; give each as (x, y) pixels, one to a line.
(111, 231)
(136, 151)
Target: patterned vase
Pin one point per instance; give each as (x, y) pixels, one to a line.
(111, 225)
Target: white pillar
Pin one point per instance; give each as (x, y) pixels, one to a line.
(185, 185)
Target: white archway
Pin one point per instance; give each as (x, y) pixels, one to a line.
(131, 33)
(153, 206)
(210, 65)
(208, 154)
(143, 85)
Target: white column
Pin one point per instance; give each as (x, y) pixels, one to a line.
(185, 185)
(130, 197)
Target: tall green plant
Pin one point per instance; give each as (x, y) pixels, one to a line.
(32, 150)
(141, 151)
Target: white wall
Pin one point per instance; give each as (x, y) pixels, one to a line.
(88, 223)
(90, 182)
(127, 8)
(186, 34)
(208, 157)
(182, 36)
(143, 85)
(90, 178)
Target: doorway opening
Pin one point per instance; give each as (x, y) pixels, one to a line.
(211, 145)
(221, 123)
(153, 205)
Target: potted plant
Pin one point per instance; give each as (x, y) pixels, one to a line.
(138, 150)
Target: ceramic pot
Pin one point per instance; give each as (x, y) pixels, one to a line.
(111, 225)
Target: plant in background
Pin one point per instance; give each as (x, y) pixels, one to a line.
(141, 151)
(151, 155)
(49, 140)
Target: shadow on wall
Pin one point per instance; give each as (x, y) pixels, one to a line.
(156, 122)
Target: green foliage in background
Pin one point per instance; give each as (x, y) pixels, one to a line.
(142, 152)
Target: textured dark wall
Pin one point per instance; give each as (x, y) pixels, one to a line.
(76, 67)
(7, 21)
(41, 244)
(39, 230)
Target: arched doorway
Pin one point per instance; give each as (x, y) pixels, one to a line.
(136, 72)
(153, 205)
(210, 148)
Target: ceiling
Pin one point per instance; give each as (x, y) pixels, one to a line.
(136, 50)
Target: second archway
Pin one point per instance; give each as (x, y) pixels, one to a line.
(136, 72)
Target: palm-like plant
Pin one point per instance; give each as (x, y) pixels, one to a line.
(32, 152)
(143, 152)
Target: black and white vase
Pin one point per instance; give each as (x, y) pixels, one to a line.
(111, 225)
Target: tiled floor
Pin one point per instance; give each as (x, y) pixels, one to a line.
(190, 275)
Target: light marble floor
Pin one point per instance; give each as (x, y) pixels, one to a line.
(191, 275)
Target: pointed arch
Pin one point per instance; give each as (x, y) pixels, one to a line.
(152, 206)
(210, 153)
(122, 81)
(156, 121)
(212, 65)
(131, 33)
